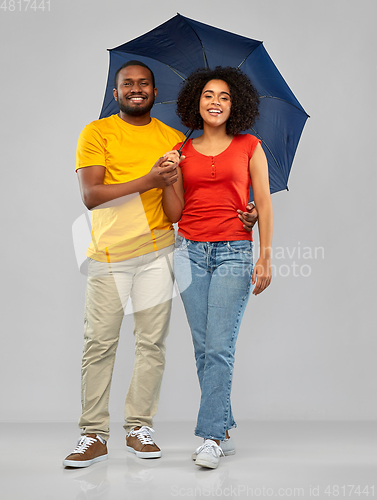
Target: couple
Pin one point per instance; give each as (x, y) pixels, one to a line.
(206, 190)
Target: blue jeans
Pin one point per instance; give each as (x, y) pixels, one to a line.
(214, 280)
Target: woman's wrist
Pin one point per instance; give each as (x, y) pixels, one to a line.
(265, 253)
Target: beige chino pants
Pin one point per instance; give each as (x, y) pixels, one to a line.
(148, 280)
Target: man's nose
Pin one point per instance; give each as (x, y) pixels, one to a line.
(136, 87)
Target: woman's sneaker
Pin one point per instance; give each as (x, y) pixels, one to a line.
(89, 450)
(227, 447)
(208, 454)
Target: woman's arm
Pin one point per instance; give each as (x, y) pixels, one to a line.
(173, 199)
(259, 179)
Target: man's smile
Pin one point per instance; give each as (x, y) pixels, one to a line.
(136, 99)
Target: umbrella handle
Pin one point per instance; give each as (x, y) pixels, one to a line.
(184, 142)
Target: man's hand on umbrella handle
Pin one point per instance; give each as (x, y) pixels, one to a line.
(163, 173)
(248, 218)
(262, 275)
(172, 160)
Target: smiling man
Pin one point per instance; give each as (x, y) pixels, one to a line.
(132, 100)
(130, 255)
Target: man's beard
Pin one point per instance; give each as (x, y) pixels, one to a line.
(139, 110)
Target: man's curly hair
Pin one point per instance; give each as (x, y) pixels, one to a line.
(243, 95)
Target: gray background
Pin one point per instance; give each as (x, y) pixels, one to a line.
(307, 345)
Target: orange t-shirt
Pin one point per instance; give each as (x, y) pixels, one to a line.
(215, 187)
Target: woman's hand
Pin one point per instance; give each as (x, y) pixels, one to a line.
(262, 275)
(173, 157)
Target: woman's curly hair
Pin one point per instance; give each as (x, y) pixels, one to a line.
(243, 95)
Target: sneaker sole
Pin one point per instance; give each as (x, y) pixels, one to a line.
(230, 452)
(205, 463)
(145, 454)
(226, 454)
(83, 463)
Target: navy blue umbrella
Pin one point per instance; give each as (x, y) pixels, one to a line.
(179, 46)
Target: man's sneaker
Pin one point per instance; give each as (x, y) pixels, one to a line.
(208, 454)
(140, 442)
(227, 446)
(90, 449)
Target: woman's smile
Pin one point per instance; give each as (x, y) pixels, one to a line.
(215, 103)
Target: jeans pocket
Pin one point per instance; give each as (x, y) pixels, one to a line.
(181, 243)
(240, 246)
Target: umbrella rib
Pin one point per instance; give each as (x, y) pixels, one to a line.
(174, 71)
(165, 102)
(170, 67)
(206, 65)
(273, 157)
(241, 63)
(272, 97)
(204, 55)
(283, 100)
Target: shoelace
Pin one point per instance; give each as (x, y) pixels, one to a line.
(209, 446)
(144, 434)
(83, 444)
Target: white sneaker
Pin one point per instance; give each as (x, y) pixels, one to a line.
(208, 454)
(227, 446)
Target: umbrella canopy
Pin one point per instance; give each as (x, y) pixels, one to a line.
(179, 46)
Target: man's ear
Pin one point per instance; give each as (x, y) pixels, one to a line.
(115, 94)
(155, 92)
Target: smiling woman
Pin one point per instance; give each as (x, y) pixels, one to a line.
(215, 104)
(214, 253)
(244, 99)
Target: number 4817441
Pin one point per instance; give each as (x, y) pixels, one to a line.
(25, 5)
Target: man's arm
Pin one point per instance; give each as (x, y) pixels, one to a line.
(94, 192)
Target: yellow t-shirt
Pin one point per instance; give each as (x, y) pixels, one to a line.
(136, 224)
